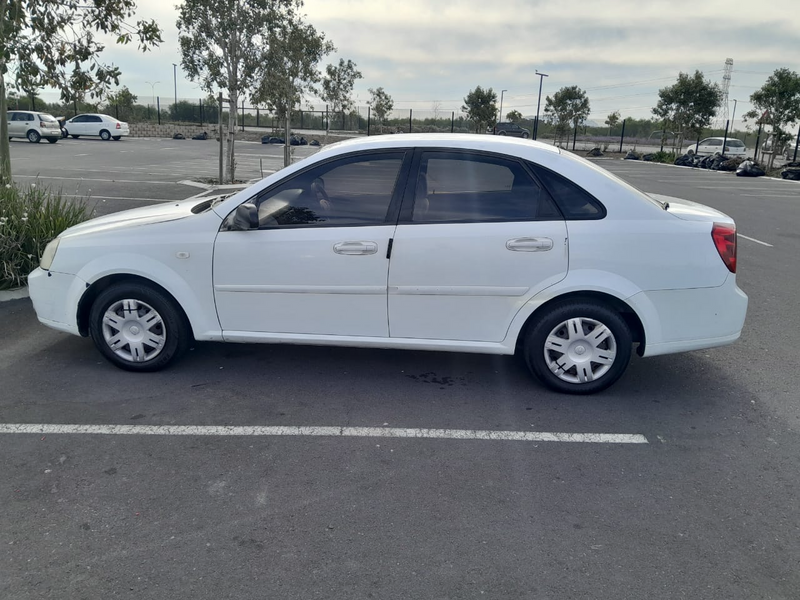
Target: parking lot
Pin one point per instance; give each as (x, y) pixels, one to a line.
(235, 490)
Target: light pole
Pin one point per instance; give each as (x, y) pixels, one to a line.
(153, 89)
(734, 114)
(538, 104)
(500, 118)
(175, 82)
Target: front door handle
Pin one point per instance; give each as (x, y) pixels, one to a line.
(355, 248)
(526, 244)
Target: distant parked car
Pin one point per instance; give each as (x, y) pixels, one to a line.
(269, 139)
(511, 129)
(712, 145)
(790, 151)
(33, 125)
(108, 128)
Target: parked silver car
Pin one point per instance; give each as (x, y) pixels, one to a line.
(33, 125)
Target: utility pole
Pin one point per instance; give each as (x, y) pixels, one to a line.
(500, 117)
(175, 82)
(538, 104)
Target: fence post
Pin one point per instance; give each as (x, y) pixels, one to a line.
(697, 144)
(410, 112)
(574, 136)
(452, 121)
(200, 103)
(725, 140)
(758, 141)
(622, 137)
(219, 131)
(301, 119)
(796, 144)
(327, 119)
(158, 108)
(257, 117)
(242, 116)
(368, 117)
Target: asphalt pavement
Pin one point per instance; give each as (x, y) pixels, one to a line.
(708, 508)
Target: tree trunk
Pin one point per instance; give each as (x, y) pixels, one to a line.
(5, 150)
(230, 157)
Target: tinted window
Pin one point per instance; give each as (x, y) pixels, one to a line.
(455, 187)
(94, 119)
(351, 191)
(80, 119)
(713, 142)
(575, 203)
(735, 144)
(46, 118)
(22, 117)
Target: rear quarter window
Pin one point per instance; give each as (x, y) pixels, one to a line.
(575, 203)
(735, 144)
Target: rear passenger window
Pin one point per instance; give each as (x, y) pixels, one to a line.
(575, 203)
(462, 187)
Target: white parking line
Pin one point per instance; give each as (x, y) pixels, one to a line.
(380, 432)
(756, 241)
(93, 197)
(97, 179)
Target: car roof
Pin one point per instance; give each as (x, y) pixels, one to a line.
(461, 141)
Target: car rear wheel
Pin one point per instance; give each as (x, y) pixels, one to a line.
(578, 347)
(137, 327)
(525, 135)
(116, 138)
(52, 140)
(105, 135)
(501, 133)
(75, 136)
(34, 137)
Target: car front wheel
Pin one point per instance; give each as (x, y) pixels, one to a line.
(137, 327)
(578, 347)
(525, 135)
(105, 135)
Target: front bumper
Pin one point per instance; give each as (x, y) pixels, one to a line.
(692, 319)
(55, 298)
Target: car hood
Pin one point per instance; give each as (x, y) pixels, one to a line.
(692, 211)
(147, 215)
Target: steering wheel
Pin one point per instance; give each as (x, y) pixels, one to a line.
(318, 188)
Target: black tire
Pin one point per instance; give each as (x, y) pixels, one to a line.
(75, 137)
(175, 328)
(525, 135)
(537, 335)
(52, 140)
(105, 135)
(116, 138)
(33, 136)
(501, 133)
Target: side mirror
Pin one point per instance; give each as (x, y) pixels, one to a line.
(245, 217)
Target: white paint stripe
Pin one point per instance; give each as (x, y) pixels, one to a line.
(756, 241)
(770, 195)
(93, 197)
(91, 179)
(196, 184)
(312, 431)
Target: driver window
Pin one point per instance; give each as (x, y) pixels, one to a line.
(352, 191)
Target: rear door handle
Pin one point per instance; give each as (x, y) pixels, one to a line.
(526, 244)
(355, 248)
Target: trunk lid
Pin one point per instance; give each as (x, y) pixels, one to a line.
(691, 211)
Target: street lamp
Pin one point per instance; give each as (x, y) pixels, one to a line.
(500, 118)
(538, 104)
(175, 81)
(153, 89)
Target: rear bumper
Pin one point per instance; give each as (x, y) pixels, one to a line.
(55, 299)
(693, 319)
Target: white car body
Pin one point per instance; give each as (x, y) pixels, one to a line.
(33, 125)
(97, 125)
(708, 147)
(457, 286)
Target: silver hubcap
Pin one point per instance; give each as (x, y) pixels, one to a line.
(580, 350)
(134, 330)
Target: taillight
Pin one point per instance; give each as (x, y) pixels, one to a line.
(724, 236)
(42, 124)
(119, 126)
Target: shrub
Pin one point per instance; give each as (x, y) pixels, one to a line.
(29, 218)
(664, 157)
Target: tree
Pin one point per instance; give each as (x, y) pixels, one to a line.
(381, 104)
(122, 102)
(569, 106)
(612, 120)
(289, 69)
(689, 104)
(337, 87)
(514, 116)
(223, 46)
(481, 107)
(49, 43)
(778, 101)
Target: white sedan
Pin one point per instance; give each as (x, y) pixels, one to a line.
(102, 126)
(459, 243)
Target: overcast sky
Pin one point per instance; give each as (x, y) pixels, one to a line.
(620, 51)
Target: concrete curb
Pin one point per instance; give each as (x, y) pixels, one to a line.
(15, 294)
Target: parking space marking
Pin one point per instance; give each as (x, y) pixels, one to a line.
(93, 197)
(311, 431)
(771, 195)
(97, 179)
(756, 241)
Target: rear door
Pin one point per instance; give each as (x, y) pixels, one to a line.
(14, 125)
(477, 238)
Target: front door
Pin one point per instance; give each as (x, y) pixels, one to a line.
(477, 238)
(318, 262)
(19, 124)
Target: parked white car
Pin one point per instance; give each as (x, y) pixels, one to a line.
(104, 126)
(710, 146)
(464, 243)
(33, 126)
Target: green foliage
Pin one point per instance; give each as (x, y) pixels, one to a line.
(481, 107)
(612, 120)
(337, 85)
(49, 43)
(514, 116)
(123, 102)
(29, 219)
(778, 100)
(381, 103)
(568, 107)
(664, 157)
(689, 104)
